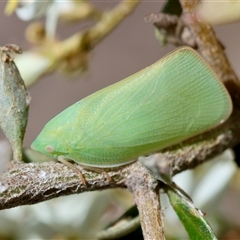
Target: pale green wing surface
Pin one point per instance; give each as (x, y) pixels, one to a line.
(172, 100)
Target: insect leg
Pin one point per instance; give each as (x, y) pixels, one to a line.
(100, 170)
(70, 165)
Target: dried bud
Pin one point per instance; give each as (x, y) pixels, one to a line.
(14, 100)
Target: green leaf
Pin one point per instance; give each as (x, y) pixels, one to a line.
(192, 218)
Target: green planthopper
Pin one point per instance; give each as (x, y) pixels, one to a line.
(172, 100)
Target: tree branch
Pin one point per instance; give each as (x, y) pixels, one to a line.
(146, 194)
(32, 183)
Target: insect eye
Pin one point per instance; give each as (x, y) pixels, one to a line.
(49, 148)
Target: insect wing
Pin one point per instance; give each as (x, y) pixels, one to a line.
(172, 100)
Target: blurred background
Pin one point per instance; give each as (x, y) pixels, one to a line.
(129, 48)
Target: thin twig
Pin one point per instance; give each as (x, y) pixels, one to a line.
(146, 194)
(76, 49)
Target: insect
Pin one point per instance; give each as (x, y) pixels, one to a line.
(174, 99)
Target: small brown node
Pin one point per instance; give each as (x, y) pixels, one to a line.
(12, 48)
(8, 49)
